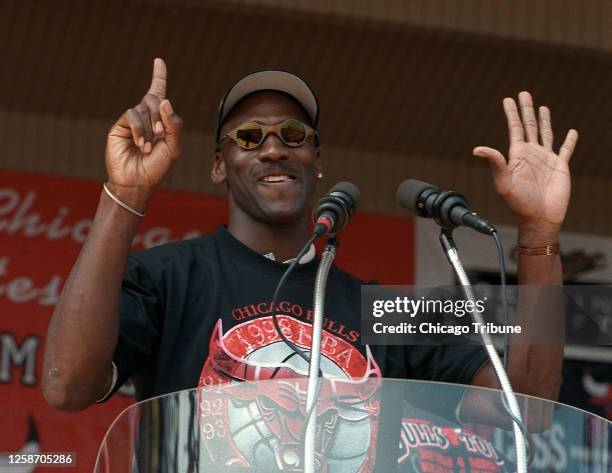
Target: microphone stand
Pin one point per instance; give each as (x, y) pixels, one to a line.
(315, 354)
(450, 249)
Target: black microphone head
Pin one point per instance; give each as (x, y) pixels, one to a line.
(349, 189)
(409, 191)
(335, 208)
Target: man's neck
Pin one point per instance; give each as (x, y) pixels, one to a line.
(283, 240)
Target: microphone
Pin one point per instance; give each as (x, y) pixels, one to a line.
(449, 209)
(333, 210)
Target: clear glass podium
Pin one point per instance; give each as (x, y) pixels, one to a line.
(375, 425)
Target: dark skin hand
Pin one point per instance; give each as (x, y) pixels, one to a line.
(141, 147)
(535, 183)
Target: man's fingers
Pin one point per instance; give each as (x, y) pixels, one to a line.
(158, 81)
(515, 126)
(122, 127)
(173, 125)
(568, 146)
(529, 118)
(145, 118)
(546, 132)
(152, 103)
(135, 124)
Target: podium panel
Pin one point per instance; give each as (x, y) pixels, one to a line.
(376, 425)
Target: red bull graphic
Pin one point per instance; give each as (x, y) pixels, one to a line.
(262, 425)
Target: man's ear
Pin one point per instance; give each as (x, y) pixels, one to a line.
(218, 174)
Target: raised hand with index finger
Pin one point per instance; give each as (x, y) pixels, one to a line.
(535, 181)
(143, 144)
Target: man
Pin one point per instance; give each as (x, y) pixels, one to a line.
(184, 307)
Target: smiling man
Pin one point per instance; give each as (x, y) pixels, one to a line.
(171, 317)
(267, 155)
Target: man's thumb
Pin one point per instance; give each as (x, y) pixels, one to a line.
(495, 158)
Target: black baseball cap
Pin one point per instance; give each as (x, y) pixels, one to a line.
(269, 79)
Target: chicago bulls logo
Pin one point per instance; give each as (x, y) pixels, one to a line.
(262, 424)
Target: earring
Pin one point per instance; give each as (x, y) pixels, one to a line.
(320, 175)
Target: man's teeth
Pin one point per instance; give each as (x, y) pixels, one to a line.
(276, 178)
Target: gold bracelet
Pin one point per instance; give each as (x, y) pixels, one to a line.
(549, 250)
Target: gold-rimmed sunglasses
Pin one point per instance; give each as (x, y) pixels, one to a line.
(250, 135)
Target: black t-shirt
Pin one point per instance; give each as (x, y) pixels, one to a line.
(197, 312)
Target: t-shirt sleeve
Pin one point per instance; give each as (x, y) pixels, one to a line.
(446, 363)
(443, 363)
(139, 319)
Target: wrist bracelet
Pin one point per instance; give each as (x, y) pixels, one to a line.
(549, 250)
(122, 204)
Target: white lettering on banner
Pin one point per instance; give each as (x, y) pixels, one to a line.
(25, 356)
(22, 289)
(17, 217)
(552, 451)
(12, 355)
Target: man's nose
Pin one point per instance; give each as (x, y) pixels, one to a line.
(272, 149)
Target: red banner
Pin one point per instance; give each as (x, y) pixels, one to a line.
(43, 222)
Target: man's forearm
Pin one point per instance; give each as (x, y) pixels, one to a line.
(535, 182)
(83, 331)
(534, 366)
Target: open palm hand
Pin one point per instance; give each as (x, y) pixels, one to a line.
(535, 181)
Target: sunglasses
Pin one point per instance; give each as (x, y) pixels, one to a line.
(250, 135)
